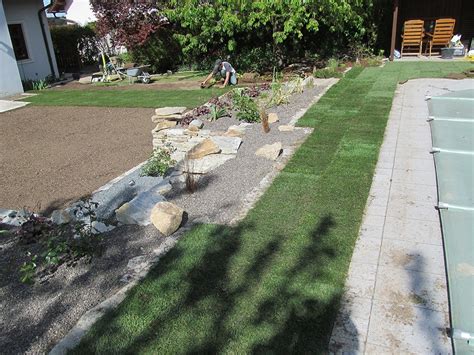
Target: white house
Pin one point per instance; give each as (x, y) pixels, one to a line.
(26, 49)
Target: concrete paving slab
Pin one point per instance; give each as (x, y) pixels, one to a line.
(414, 192)
(8, 105)
(422, 289)
(427, 232)
(406, 209)
(411, 255)
(400, 242)
(408, 329)
(414, 177)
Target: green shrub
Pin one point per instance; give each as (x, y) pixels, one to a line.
(162, 52)
(159, 162)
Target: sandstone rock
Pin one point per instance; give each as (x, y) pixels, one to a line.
(228, 145)
(193, 128)
(273, 117)
(60, 217)
(166, 217)
(235, 131)
(269, 151)
(204, 165)
(196, 123)
(156, 119)
(164, 125)
(204, 148)
(174, 132)
(137, 211)
(168, 111)
(286, 128)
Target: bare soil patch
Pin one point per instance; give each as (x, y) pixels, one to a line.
(54, 155)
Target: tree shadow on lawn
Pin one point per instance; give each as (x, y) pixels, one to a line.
(220, 292)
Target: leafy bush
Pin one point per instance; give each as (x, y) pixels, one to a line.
(74, 46)
(161, 51)
(255, 59)
(159, 162)
(246, 107)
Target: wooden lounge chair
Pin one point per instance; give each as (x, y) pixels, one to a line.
(442, 34)
(412, 36)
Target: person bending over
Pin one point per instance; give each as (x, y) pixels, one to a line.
(225, 70)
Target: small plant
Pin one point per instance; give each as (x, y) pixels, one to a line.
(217, 112)
(28, 269)
(159, 162)
(39, 85)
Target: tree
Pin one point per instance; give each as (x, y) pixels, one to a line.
(129, 22)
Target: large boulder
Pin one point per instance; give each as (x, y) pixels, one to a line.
(206, 147)
(269, 151)
(166, 217)
(204, 165)
(137, 211)
(227, 145)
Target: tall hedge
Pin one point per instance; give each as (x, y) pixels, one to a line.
(74, 46)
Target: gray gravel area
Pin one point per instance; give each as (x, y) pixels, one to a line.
(34, 318)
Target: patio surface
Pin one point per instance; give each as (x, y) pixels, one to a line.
(54, 155)
(396, 295)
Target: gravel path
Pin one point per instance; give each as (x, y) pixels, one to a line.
(53, 155)
(220, 194)
(34, 318)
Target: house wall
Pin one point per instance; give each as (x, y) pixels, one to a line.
(26, 12)
(10, 83)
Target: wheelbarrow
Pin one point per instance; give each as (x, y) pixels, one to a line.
(135, 73)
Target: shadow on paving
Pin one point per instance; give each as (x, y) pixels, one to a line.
(219, 295)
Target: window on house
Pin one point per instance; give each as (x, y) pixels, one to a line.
(18, 41)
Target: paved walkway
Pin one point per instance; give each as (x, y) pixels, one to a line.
(396, 296)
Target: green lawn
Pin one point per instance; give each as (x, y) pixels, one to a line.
(124, 98)
(274, 282)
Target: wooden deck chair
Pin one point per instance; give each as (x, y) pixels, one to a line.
(442, 34)
(412, 36)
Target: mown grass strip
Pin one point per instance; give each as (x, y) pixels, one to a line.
(124, 98)
(274, 282)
